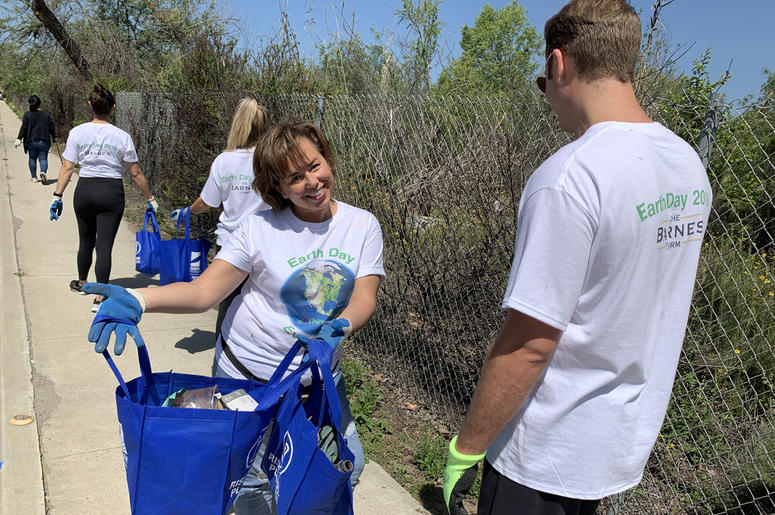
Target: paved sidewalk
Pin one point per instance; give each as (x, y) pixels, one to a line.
(69, 460)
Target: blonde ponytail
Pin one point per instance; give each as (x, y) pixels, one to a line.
(251, 120)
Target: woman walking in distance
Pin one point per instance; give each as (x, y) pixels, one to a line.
(36, 133)
(102, 150)
(230, 183)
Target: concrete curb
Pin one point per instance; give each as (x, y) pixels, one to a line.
(21, 478)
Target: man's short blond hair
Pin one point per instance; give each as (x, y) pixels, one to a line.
(602, 36)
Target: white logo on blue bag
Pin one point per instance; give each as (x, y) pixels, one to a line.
(123, 445)
(195, 266)
(254, 450)
(287, 457)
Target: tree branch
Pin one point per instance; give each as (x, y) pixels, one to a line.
(68, 44)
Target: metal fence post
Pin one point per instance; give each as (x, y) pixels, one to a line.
(709, 128)
(319, 111)
(615, 503)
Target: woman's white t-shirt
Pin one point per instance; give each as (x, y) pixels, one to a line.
(230, 183)
(101, 149)
(301, 274)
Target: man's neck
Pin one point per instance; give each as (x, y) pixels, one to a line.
(605, 100)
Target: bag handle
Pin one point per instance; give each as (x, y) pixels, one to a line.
(279, 372)
(199, 221)
(150, 216)
(188, 224)
(319, 352)
(273, 391)
(145, 369)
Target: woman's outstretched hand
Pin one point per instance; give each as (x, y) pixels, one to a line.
(119, 313)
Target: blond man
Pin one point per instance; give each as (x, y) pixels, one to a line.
(576, 383)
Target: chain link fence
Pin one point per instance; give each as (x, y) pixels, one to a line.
(444, 177)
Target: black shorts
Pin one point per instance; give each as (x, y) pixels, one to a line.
(500, 495)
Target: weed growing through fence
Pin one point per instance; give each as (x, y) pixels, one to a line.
(401, 475)
(365, 396)
(430, 454)
(415, 459)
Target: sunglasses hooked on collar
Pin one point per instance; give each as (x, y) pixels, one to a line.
(541, 79)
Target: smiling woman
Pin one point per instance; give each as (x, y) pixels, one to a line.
(307, 184)
(313, 266)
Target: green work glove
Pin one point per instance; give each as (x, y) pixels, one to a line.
(459, 476)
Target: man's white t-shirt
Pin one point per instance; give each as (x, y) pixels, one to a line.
(608, 240)
(301, 274)
(230, 183)
(101, 149)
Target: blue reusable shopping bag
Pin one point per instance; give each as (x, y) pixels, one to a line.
(304, 480)
(181, 461)
(183, 259)
(147, 245)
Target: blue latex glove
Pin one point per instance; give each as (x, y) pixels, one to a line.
(334, 331)
(459, 477)
(153, 205)
(55, 211)
(177, 213)
(119, 313)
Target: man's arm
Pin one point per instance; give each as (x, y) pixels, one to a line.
(516, 360)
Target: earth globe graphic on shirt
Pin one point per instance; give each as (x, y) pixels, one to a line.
(316, 293)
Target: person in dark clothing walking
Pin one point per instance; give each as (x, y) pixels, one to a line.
(36, 133)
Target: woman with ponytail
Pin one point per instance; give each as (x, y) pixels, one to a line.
(230, 180)
(103, 151)
(36, 133)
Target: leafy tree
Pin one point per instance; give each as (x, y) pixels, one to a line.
(422, 19)
(744, 161)
(279, 66)
(497, 53)
(351, 66)
(125, 42)
(685, 111)
(767, 93)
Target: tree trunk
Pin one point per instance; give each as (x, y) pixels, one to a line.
(56, 29)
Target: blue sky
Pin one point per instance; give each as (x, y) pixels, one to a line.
(740, 33)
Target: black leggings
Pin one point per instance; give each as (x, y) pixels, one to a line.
(99, 206)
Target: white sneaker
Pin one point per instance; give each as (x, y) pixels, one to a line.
(95, 306)
(43, 177)
(34, 179)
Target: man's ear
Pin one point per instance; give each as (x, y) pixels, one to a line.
(560, 65)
